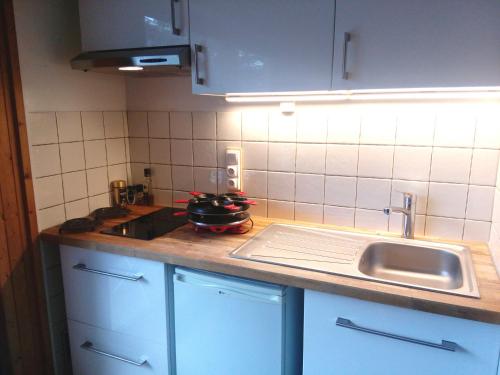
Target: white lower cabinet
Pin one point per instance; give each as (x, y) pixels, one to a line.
(96, 351)
(117, 313)
(347, 336)
(115, 292)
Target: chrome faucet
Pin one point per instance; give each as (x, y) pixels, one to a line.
(408, 211)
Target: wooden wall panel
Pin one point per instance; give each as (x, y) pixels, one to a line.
(22, 294)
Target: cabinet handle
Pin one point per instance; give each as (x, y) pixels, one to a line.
(347, 40)
(83, 267)
(445, 345)
(87, 345)
(175, 29)
(197, 49)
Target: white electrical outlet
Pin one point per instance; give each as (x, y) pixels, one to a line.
(233, 169)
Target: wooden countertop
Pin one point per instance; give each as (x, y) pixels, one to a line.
(209, 251)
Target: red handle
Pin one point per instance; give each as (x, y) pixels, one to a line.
(241, 193)
(195, 193)
(232, 207)
(182, 201)
(248, 201)
(180, 213)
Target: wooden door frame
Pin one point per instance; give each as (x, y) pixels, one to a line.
(22, 294)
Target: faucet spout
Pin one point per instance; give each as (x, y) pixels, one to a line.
(408, 211)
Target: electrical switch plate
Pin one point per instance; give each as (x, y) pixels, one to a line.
(233, 169)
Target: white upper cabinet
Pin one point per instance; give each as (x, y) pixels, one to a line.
(117, 24)
(261, 45)
(416, 44)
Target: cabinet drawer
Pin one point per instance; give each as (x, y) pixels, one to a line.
(96, 351)
(115, 292)
(349, 336)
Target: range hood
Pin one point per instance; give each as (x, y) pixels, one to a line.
(153, 61)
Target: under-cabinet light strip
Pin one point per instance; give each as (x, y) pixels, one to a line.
(368, 95)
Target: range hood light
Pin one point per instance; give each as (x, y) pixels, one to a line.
(130, 68)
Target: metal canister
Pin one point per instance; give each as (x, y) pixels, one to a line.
(118, 193)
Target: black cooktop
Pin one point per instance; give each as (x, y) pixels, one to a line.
(149, 226)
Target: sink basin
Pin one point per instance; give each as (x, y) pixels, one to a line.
(412, 264)
(434, 266)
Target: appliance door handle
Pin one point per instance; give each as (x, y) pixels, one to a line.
(347, 40)
(87, 345)
(269, 298)
(175, 29)
(83, 267)
(445, 345)
(198, 48)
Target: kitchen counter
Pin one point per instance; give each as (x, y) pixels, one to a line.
(209, 251)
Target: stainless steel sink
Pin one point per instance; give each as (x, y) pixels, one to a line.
(412, 264)
(418, 264)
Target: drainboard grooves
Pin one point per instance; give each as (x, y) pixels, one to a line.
(299, 250)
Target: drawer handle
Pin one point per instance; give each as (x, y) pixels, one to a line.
(347, 40)
(175, 29)
(87, 345)
(445, 345)
(197, 50)
(83, 267)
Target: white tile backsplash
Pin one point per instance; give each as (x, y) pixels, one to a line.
(42, 128)
(72, 156)
(343, 126)
(415, 129)
(45, 160)
(484, 167)
(159, 124)
(69, 126)
(75, 186)
(182, 151)
(204, 125)
(340, 164)
(281, 186)
(95, 153)
(448, 200)
(480, 203)
(376, 161)
(114, 126)
(255, 155)
(309, 188)
(342, 160)
(340, 191)
(93, 125)
(310, 158)
(412, 163)
(309, 212)
(159, 150)
(378, 129)
(229, 126)
(97, 181)
(282, 127)
(181, 125)
(282, 157)
(454, 129)
(312, 126)
(137, 124)
(341, 216)
(255, 126)
(451, 165)
(374, 194)
(205, 153)
(280, 209)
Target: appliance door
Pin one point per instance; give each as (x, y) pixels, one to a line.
(225, 325)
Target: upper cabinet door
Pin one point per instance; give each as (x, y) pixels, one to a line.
(116, 24)
(416, 44)
(261, 45)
